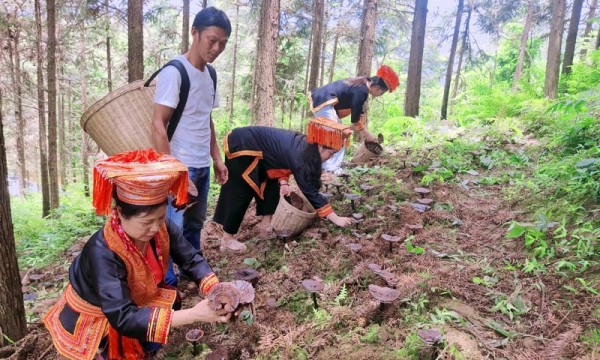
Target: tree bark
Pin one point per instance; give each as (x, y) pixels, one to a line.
(588, 27)
(554, 45)
(451, 59)
(52, 122)
(333, 56)
(523, 46)
(322, 71)
(185, 27)
(14, 56)
(415, 62)
(572, 37)
(463, 46)
(62, 148)
(317, 40)
(235, 50)
(41, 113)
(84, 138)
(12, 309)
(108, 55)
(264, 100)
(367, 31)
(135, 39)
(305, 109)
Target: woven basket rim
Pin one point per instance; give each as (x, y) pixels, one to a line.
(287, 205)
(104, 101)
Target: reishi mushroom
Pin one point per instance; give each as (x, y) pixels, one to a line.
(390, 239)
(193, 336)
(313, 286)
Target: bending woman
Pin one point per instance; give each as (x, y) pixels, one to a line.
(260, 161)
(116, 305)
(341, 98)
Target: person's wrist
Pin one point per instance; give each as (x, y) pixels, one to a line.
(283, 183)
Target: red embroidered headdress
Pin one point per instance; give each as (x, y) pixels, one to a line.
(389, 76)
(327, 133)
(142, 177)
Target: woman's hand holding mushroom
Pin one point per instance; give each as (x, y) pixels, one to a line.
(339, 220)
(204, 313)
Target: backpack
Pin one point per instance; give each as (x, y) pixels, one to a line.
(184, 91)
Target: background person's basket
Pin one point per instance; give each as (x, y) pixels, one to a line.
(366, 151)
(121, 120)
(288, 220)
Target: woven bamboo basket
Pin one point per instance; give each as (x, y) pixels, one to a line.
(366, 151)
(121, 120)
(289, 220)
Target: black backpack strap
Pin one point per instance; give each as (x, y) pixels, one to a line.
(184, 91)
(213, 75)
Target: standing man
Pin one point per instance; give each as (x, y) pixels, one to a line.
(194, 141)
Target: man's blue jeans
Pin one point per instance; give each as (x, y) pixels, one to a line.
(193, 219)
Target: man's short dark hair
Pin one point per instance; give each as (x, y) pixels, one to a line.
(211, 16)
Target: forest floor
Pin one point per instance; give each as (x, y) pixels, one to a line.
(459, 274)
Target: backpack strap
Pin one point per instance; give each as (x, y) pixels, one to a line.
(184, 91)
(213, 75)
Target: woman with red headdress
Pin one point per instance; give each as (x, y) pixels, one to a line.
(116, 304)
(341, 98)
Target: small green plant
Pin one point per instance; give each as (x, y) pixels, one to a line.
(417, 250)
(253, 263)
(372, 335)
(411, 348)
(443, 315)
(341, 296)
(592, 338)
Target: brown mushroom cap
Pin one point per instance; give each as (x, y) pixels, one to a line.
(194, 335)
(430, 337)
(326, 195)
(389, 277)
(383, 294)
(422, 190)
(247, 274)
(357, 216)
(420, 207)
(367, 187)
(350, 196)
(414, 226)
(425, 201)
(313, 286)
(354, 247)
(391, 238)
(271, 302)
(224, 296)
(246, 291)
(376, 268)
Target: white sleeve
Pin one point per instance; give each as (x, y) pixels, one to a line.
(167, 87)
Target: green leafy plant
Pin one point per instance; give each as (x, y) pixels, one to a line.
(341, 296)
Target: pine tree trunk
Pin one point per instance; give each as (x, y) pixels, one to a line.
(264, 101)
(109, 81)
(71, 141)
(463, 47)
(12, 309)
(322, 71)
(367, 32)
(235, 50)
(448, 80)
(15, 65)
(52, 132)
(523, 46)
(85, 166)
(588, 28)
(62, 148)
(572, 37)
(415, 62)
(305, 109)
(333, 55)
(135, 39)
(554, 45)
(185, 27)
(317, 40)
(41, 114)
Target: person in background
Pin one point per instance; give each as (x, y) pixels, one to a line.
(194, 141)
(341, 98)
(260, 161)
(116, 304)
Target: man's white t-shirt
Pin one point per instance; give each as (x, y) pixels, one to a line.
(191, 141)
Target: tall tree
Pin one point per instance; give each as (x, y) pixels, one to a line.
(523, 46)
(234, 65)
(12, 309)
(333, 56)
(14, 56)
(108, 55)
(85, 166)
(41, 113)
(52, 122)
(463, 46)
(185, 27)
(264, 72)
(135, 39)
(451, 59)
(554, 45)
(317, 40)
(367, 38)
(415, 62)
(588, 26)
(572, 37)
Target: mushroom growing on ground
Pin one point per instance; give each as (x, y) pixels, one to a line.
(433, 338)
(224, 296)
(326, 195)
(390, 278)
(422, 191)
(314, 286)
(414, 227)
(247, 274)
(367, 189)
(390, 239)
(354, 247)
(425, 201)
(420, 207)
(357, 218)
(353, 198)
(193, 336)
(383, 294)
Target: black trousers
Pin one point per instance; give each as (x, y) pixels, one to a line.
(236, 195)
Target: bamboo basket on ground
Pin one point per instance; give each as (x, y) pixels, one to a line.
(366, 151)
(288, 220)
(121, 120)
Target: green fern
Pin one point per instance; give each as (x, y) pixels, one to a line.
(342, 296)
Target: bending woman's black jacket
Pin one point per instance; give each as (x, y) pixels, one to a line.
(344, 98)
(280, 153)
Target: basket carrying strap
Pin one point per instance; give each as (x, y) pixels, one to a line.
(184, 91)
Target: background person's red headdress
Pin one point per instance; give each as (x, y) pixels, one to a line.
(389, 76)
(142, 177)
(327, 133)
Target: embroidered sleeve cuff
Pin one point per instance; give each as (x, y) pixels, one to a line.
(207, 283)
(159, 325)
(325, 210)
